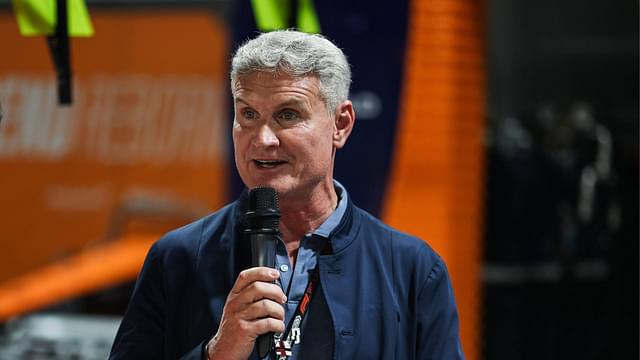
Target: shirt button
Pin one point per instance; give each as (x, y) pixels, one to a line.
(284, 267)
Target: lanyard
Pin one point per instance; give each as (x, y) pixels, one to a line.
(283, 342)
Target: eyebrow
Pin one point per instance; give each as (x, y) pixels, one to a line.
(238, 99)
(293, 102)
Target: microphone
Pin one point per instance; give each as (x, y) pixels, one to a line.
(262, 219)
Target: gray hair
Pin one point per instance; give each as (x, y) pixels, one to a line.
(298, 54)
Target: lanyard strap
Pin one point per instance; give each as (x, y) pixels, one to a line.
(283, 342)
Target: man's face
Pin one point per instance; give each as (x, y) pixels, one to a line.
(282, 134)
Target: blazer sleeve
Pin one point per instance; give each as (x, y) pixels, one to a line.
(438, 328)
(141, 332)
(197, 353)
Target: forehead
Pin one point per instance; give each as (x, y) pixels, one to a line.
(275, 85)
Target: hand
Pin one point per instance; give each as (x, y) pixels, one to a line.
(253, 307)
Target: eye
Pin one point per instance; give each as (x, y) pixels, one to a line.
(288, 116)
(249, 114)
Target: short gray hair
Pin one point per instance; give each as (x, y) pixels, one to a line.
(298, 54)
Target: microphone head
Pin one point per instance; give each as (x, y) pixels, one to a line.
(263, 197)
(263, 213)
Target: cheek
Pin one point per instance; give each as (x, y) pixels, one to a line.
(238, 140)
(238, 151)
(317, 154)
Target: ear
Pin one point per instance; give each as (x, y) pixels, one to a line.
(345, 118)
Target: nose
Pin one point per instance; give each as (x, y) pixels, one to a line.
(266, 137)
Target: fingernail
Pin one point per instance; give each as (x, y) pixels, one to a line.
(274, 273)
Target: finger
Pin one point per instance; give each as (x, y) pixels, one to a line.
(260, 290)
(249, 276)
(264, 308)
(263, 326)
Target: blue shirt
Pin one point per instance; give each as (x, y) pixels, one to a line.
(293, 280)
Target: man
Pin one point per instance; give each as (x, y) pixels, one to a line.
(378, 293)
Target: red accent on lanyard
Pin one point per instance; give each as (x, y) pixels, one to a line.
(306, 298)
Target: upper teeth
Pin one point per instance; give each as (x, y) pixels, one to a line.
(268, 163)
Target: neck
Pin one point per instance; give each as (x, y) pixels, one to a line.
(302, 216)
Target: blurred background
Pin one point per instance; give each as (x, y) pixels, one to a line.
(504, 133)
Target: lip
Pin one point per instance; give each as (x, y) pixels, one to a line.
(267, 164)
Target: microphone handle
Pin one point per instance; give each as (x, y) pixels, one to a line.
(263, 253)
(263, 250)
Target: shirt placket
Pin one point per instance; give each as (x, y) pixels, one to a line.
(294, 279)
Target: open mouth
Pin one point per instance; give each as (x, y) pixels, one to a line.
(268, 164)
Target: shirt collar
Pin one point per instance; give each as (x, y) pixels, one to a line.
(336, 216)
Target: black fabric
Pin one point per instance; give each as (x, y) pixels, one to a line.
(317, 333)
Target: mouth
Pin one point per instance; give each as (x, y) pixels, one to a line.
(268, 164)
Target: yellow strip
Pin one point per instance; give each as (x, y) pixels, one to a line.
(307, 17)
(273, 14)
(38, 17)
(270, 14)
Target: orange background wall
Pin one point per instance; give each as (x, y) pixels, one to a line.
(147, 131)
(436, 181)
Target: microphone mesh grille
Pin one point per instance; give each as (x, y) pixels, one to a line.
(263, 213)
(262, 198)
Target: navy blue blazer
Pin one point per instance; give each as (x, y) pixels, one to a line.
(388, 293)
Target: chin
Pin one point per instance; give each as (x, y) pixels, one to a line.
(283, 190)
(277, 185)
